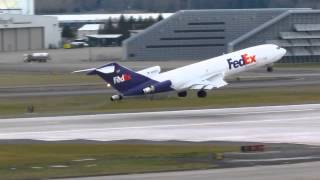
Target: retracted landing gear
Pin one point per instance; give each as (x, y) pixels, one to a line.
(116, 98)
(202, 94)
(182, 94)
(269, 69)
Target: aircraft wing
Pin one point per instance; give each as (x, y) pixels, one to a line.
(208, 83)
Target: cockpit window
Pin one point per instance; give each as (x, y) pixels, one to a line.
(278, 47)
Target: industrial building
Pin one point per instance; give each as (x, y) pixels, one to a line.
(21, 30)
(25, 7)
(104, 40)
(202, 34)
(28, 32)
(88, 29)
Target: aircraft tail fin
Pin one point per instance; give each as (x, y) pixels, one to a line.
(119, 77)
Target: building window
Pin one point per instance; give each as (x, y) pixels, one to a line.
(206, 23)
(191, 38)
(199, 30)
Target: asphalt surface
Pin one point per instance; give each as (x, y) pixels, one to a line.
(268, 125)
(305, 171)
(274, 124)
(66, 61)
(279, 124)
(248, 80)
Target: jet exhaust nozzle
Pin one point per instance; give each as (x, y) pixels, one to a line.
(116, 97)
(149, 90)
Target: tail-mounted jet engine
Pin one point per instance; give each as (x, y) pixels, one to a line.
(159, 87)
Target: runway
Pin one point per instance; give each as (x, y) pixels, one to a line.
(101, 88)
(284, 172)
(273, 124)
(282, 77)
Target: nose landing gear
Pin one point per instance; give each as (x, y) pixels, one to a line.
(270, 69)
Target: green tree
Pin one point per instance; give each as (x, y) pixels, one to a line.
(108, 27)
(67, 32)
(149, 22)
(160, 18)
(131, 23)
(123, 27)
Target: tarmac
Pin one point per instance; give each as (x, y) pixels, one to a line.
(286, 126)
(298, 124)
(304, 171)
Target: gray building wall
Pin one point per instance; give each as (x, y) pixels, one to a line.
(222, 26)
(202, 34)
(299, 48)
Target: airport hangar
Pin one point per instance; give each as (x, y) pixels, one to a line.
(28, 32)
(203, 34)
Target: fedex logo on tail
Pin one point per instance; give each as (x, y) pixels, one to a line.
(121, 79)
(245, 60)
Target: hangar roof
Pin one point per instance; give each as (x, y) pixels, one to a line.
(90, 27)
(105, 36)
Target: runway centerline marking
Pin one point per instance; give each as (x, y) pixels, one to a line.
(276, 159)
(265, 112)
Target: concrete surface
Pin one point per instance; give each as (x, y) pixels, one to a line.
(303, 171)
(274, 124)
(254, 79)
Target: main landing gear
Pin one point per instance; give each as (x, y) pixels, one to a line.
(182, 94)
(202, 94)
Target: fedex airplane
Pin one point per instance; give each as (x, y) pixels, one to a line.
(201, 76)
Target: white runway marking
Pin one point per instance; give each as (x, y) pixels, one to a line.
(275, 159)
(167, 126)
(277, 124)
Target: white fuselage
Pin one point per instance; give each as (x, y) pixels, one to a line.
(227, 64)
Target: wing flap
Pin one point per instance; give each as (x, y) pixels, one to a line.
(215, 81)
(199, 86)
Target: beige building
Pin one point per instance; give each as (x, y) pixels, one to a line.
(28, 32)
(17, 6)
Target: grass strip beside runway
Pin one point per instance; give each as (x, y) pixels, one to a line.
(86, 104)
(41, 161)
(39, 79)
(297, 65)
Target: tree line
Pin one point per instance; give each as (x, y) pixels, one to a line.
(121, 26)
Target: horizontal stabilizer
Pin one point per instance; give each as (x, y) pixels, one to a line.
(85, 70)
(104, 70)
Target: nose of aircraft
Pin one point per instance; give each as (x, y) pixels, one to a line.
(283, 51)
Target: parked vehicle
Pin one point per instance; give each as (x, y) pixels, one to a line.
(36, 57)
(79, 43)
